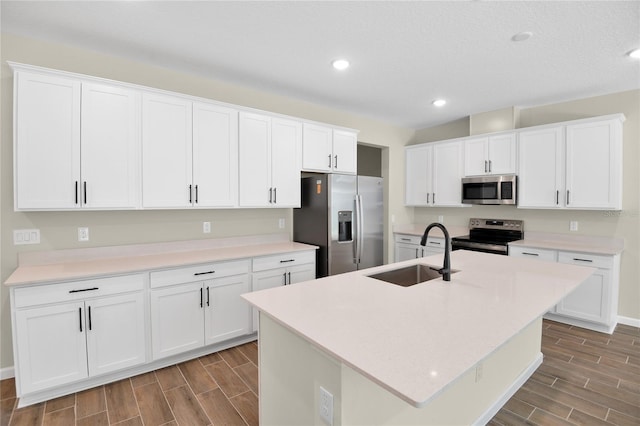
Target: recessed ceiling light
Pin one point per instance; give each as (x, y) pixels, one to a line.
(439, 102)
(340, 64)
(526, 35)
(635, 54)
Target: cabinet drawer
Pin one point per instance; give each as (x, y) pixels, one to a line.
(533, 253)
(202, 272)
(583, 259)
(282, 260)
(77, 290)
(408, 239)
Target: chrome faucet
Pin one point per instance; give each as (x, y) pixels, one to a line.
(446, 268)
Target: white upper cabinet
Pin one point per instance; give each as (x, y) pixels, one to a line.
(594, 165)
(541, 168)
(215, 156)
(329, 150)
(189, 152)
(572, 166)
(433, 174)
(77, 144)
(110, 154)
(166, 151)
(490, 155)
(269, 161)
(47, 141)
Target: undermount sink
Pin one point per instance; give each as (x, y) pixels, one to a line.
(409, 275)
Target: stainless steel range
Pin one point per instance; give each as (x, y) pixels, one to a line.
(490, 235)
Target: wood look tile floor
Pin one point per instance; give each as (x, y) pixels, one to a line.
(587, 378)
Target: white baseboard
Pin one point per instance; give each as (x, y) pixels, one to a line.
(634, 322)
(522, 378)
(7, 373)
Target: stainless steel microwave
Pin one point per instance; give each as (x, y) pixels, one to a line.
(494, 189)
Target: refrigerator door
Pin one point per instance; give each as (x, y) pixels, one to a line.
(370, 193)
(342, 213)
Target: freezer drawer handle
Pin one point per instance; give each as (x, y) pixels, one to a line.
(204, 273)
(83, 289)
(582, 260)
(287, 261)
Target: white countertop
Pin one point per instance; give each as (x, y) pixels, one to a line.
(418, 229)
(576, 243)
(61, 265)
(415, 341)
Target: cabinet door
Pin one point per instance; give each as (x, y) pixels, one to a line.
(406, 252)
(476, 156)
(317, 148)
(286, 147)
(47, 142)
(177, 319)
(51, 346)
(215, 156)
(227, 315)
(594, 163)
(255, 158)
(110, 154)
(264, 280)
(418, 176)
(300, 273)
(166, 151)
(541, 168)
(447, 174)
(590, 301)
(502, 154)
(345, 149)
(115, 333)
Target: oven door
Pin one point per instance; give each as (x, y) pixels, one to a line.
(484, 247)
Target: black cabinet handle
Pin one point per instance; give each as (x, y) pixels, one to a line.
(204, 273)
(270, 195)
(329, 160)
(287, 260)
(83, 289)
(89, 318)
(84, 191)
(489, 166)
(289, 275)
(190, 194)
(76, 192)
(80, 318)
(275, 195)
(335, 163)
(428, 197)
(582, 260)
(201, 299)
(567, 197)
(208, 304)
(434, 242)
(530, 254)
(557, 197)
(416, 253)
(485, 166)
(196, 194)
(405, 239)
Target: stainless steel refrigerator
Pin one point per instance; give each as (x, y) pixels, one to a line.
(343, 215)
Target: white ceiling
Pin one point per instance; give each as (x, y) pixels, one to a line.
(404, 54)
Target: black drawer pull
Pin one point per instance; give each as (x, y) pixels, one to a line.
(434, 242)
(287, 261)
(80, 318)
(208, 304)
(83, 289)
(530, 254)
(405, 239)
(201, 298)
(89, 318)
(582, 260)
(204, 273)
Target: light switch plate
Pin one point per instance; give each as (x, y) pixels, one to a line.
(83, 234)
(26, 236)
(206, 227)
(573, 225)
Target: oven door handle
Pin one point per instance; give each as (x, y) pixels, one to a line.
(478, 246)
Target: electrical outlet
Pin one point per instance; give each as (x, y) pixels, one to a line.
(326, 406)
(573, 225)
(206, 227)
(26, 236)
(281, 223)
(83, 234)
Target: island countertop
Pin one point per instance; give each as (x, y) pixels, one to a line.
(415, 341)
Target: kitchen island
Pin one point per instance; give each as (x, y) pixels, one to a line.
(433, 353)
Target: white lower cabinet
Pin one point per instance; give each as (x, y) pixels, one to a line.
(197, 306)
(286, 269)
(408, 247)
(594, 304)
(87, 330)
